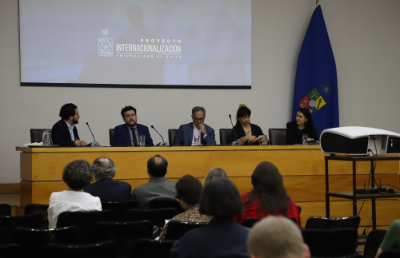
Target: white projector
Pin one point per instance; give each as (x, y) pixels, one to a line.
(356, 140)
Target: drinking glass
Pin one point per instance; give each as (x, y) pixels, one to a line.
(305, 139)
(46, 137)
(196, 140)
(142, 140)
(264, 141)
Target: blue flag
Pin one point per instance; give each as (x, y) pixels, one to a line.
(316, 79)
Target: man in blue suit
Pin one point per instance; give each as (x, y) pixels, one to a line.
(105, 187)
(128, 134)
(188, 133)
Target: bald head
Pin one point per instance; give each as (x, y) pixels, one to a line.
(103, 167)
(276, 237)
(157, 166)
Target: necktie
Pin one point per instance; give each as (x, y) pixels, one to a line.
(135, 143)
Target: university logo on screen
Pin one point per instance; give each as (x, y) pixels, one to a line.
(146, 48)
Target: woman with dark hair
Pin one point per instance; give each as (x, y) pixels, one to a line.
(76, 175)
(302, 125)
(268, 196)
(244, 132)
(188, 190)
(222, 237)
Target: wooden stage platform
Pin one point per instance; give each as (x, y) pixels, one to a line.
(302, 168)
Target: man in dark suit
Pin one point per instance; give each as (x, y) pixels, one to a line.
(105, 187)
(196, 133)
(64, 132)
(128, 134)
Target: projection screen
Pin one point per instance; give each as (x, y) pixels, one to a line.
(136, 43)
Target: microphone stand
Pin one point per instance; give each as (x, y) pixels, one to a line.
(160, 143)
(94, 143)
(234, 143)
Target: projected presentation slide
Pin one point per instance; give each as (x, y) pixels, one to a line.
(136, 43)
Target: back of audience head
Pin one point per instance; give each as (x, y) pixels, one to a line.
(220, 198)
(157, 166)
(103, 168)
(268, 189)
(188, 189)
(276, 237)
(77, 174)
(214, 174)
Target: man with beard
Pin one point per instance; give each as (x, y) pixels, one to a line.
(128, 134)
(64, 132)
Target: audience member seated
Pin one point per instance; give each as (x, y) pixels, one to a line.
(76, 175)
(244, 132)
(222, 237)
(302, 125)
(391, 239)
(158, 186)
(105, 187)
(268, 196)
(214, 174)
(188, 190)
(276, 237)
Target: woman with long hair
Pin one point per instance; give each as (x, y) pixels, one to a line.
(302, 125)
(244, 132)
(268, 196)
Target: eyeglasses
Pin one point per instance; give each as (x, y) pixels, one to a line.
(198, 119)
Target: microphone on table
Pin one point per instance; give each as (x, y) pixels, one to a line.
(234, 134)
(94, 143)
(160, 143)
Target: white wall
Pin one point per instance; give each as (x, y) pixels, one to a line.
(365, 39)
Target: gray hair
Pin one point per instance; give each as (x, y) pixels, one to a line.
(103, 167)
(275, 237)
(77, 174)
(195, 109)
(213, 174)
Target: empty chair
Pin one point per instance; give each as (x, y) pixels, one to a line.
(277, 136)
(157, 216)
(331, 242)
(111, 135)
(34, 208)
(33, 240)
(99, 250)
(225, 136)
(10, 251)
(148, 248)
(162, 203)
(5, 209)
(333, 223)
(119, 209)
(124, 234)
(176, 229)
(374, 240)
(83, 220)
(171, 136)
(36, 134)
(9, 223)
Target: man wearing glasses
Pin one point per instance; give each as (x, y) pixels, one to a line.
(196, 133)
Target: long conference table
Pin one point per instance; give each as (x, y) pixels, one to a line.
(302, 168)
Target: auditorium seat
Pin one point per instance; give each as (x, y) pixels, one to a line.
(98, 250)
(374, 240)
(225, 136)
(176, 229)
(124, 234)
(9, 223)
(162, 203)
(277, 136)
(36, 134)
(249, 223)
(171, 135)
(5, 209)
(10, 251)
(146, 248)
(331, 242)
(34, 208)
(333, 223)
(119, 209)
(390, 254)
(157, 216)
(111, 135)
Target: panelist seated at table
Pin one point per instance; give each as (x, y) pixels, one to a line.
(302, 125)
(189, 133)
(128, 134)
(64, 132)
(244, 132)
